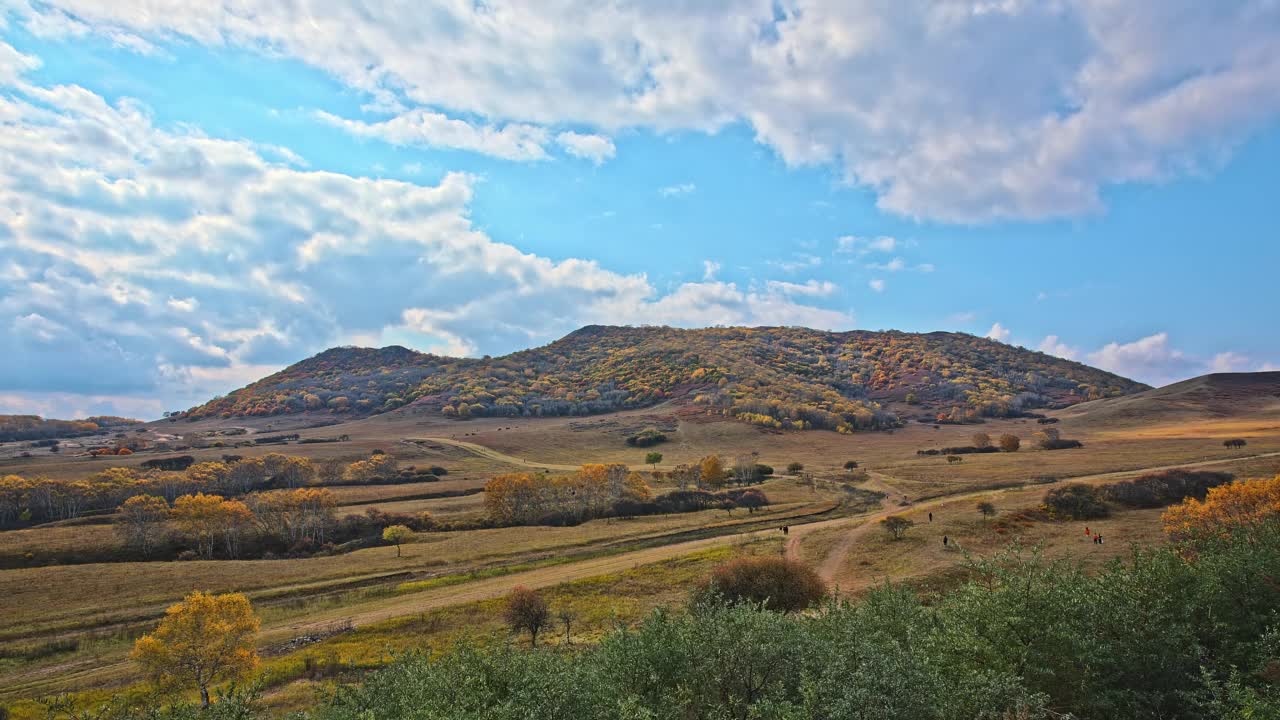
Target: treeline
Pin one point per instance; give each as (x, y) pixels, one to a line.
(294, 523)
(1078, 501)
(28, 501)
(33, 427)
(598, 491)
(1168, 634)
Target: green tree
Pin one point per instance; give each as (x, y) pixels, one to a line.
(986, 509)
(397, 535)
(653, 459)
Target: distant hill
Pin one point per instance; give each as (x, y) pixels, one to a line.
(773, 376)
(1219, 395)
(34, 427)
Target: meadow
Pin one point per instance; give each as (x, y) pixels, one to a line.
(68, 626)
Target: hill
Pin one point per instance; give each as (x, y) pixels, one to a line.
(34, 427)
(777, 377)
(1208, 397)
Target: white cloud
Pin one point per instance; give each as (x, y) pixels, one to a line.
(895, 265)
(1053, 345)
(955, 111)
(145, 263)
(1227, 362)
(999, 333)
(876, 284)
(853, 244)
(425, 128)
(1150, 359)
(710, 268)
(14, 63)
(184, 304)
(596, 148)
(799, 261)
(811, 288)
(675, 190)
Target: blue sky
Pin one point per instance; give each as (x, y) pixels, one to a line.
(192, 197)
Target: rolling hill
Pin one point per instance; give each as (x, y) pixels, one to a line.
(772, 376)
(1208, 397)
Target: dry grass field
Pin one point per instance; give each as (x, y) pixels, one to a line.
(67, 627)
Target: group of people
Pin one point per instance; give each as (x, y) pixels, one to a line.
(1097, 537)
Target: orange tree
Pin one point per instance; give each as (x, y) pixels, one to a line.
(203, 640)
(1236, 508)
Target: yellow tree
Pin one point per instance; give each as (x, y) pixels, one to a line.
(141, 521)
(203, 640)
(206, 518)
(712, 470)
(1239, 506)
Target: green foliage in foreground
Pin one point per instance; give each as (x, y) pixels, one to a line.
(1163, 635)
(1160, 636)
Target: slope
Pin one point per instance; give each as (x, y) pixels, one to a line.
(791, 378)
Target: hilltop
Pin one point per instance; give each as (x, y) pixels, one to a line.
(772, 376)
(1208, 397)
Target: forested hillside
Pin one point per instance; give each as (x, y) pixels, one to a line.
(34, 427)
(778, 377)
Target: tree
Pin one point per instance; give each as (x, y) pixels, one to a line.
(1009, 443)
(712, 471)
(141, 522)
(850, 464)
(527, 611)
(1234, 443)
(981, 440)
(397, 535)
(1047, 438)
(794, 468)
(1227, 510)
(954, 459)
(986, 509)
(203, 640)
(653, 459)
(896, 526)
(772, 582)
(205, 519)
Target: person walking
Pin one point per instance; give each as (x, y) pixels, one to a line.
(945, 541)
(930, 517)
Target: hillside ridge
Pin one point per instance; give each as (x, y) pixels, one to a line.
(782, 377)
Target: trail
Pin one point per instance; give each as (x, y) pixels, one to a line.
(490, 453)
(91, 670)
(831, 565)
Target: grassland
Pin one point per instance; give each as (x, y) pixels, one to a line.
(67, 627)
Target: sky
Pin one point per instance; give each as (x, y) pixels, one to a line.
(194, 195)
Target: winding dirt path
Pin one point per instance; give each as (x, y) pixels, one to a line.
(834, 561)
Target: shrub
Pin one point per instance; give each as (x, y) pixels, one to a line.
(795, 468)
(771, 582)
(1076, 501)
(646, 438)
(1010, 443)
(1165, 488)
(897, 526)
